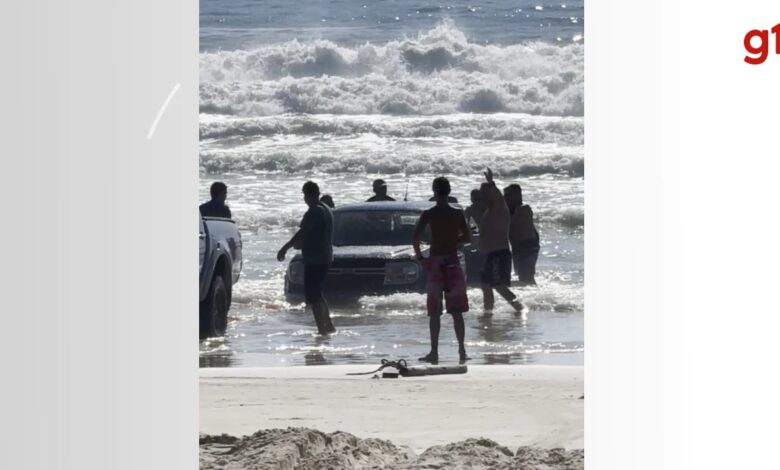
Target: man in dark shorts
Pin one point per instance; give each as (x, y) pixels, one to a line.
(444, 272)
(216, 206)
(494, 243)
(314, 238)
(523, 236)
(380, 192)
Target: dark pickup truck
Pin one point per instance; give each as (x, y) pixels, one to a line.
(373, 254)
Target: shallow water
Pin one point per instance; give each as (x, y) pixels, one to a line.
(287, 97)
(265, 330)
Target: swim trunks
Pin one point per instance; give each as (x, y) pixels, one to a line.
(497, 270)
(445, 276)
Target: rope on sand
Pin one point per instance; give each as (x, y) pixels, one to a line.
(405, 371)
(399, 364)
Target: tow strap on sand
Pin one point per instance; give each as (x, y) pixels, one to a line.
(400, 365)
(416, 371)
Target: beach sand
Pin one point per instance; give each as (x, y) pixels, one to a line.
(318, 417)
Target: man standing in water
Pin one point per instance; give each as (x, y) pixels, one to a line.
(523, 236)
(476, 209)
(380, 192)
(494, 243)
(314, 238)
(445, 275)
(216, 207)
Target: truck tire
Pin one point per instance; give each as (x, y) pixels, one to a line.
(214, 309)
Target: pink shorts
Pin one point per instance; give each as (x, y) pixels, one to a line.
(445, 275)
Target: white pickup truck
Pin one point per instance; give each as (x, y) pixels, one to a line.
(220, 268)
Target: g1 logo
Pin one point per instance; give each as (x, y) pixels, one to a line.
(758, 54)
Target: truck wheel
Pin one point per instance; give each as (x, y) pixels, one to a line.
(213, 310)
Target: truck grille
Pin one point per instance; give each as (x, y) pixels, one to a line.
(352, 263)
(356, 271)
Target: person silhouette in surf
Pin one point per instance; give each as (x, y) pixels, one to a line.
(494, 244)
(315, 239)
(327, 199)
(476, 209)
(216, 207)
(380, 192)
(523, 236)
(445, 277)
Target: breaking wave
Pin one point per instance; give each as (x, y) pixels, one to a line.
(419, 163)
(567, 216)
(437, 72)
(467, 126)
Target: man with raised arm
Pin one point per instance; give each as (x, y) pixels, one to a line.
(314, 238)
(494, 243)
(445, 275)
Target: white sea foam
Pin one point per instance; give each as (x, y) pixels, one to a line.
(368, 153)
(436, 72)
(505, 127)
(567, 216)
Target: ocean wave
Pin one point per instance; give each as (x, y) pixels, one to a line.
(416, 163)
(567, 216)
(436, 72)
(463, 126)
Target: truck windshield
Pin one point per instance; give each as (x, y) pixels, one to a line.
(374, 228)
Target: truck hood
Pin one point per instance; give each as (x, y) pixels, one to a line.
(383, 252)
(372, 252)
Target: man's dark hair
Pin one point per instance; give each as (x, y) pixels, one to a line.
(515, 188)
(441, 186)
(476, 194)
(218, 188)
(311, 188)
(378, 185)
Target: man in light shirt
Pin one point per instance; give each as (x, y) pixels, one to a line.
(494, 243)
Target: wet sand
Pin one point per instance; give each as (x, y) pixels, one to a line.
(503, 407)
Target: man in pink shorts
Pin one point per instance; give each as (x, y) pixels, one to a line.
(445, 275)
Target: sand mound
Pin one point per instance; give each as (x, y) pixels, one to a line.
(308, 449)
(468, 454)
(531, 458)
(299, 449)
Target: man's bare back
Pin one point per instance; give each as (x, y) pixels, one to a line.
(448, 228)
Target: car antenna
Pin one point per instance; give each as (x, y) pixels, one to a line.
(406, 193)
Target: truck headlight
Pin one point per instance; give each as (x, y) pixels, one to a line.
(295, 272)
(401, 273)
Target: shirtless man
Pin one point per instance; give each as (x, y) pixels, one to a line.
(494, 243)
(445, 275)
